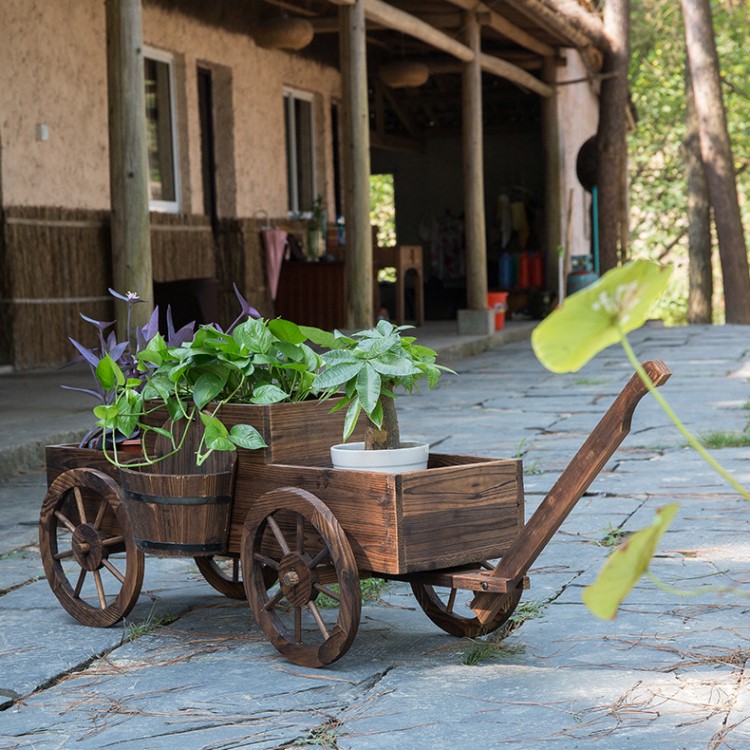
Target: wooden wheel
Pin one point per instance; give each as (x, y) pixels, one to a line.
(89, 554)
(449, 609)
(224, 574)
(311, 613)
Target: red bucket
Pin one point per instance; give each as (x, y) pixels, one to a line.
(498, 301)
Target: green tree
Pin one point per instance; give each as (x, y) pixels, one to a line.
(658, 182)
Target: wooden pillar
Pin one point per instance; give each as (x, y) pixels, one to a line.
(477, 318)
(553, 187)
(128, 155)
(356, 166)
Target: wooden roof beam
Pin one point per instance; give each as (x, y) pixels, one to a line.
(514, 74)
(398, 20)
(502, 26)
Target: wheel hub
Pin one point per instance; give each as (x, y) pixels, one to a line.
(87, 547)
(296, 579)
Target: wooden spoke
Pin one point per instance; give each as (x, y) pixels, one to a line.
(79, 583)
(111, 541)
(327, 591)
(113, 570)
(451, 601)
(100, 514)
(279, 536)
(298, 625)
(300, 548)
(86, 548)
(307, 634)
(100, 590)
(271, 603)
(324, 554)
(79, 504)
(265, 560)
(318, 619)
(64, 519)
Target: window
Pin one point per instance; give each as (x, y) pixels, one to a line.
(300, 151)
(163, 179)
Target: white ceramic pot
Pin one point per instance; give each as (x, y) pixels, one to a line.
(412, 456)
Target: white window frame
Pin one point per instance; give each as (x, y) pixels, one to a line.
(167, 58)
(290, 96)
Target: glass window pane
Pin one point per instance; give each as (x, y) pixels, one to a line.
(159, 132)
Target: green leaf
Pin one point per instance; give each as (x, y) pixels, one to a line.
(352, 415)
(107, 415)
(626, 565)
(592, 319)
(320, 337)
(220, 443)
(290, 351)
(214, 429)
(268, 394)
(208, 387)
(246, 436)
(150, 355)
(285, 330)
(108, 373)
(336, 375)
(368, 388)
(393, 365)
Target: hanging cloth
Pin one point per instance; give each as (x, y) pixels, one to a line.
(277, 250)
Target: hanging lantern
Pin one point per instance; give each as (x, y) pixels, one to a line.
(402, 74)
(284, 33)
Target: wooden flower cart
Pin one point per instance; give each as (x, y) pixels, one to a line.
(301, 535)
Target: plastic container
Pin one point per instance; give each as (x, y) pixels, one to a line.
(498, 301)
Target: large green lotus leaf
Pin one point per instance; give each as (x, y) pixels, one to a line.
(592, 319)
(625, 566)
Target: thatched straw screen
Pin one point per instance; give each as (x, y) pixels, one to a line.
(55, 268)
(57, 265)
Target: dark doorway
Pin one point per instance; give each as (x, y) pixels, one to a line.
(208, 145)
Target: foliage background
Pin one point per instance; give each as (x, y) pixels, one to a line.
(656, 166)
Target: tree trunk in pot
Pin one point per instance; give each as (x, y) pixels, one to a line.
(387, 436)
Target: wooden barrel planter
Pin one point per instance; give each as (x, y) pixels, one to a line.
(178, 515)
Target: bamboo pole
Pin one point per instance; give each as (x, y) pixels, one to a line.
(473, 157)
(128, 155)
(356, 166)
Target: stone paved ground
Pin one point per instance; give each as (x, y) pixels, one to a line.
(668, 673)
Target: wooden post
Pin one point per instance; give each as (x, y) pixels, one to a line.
(476, 319)
(553, 187)
(356, 166)
(128, 155)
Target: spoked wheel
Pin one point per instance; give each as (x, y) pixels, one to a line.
(89, 554)
(449, 609)
(311, 613)
(224, 574)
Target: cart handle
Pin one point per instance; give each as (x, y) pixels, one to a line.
(569, 488)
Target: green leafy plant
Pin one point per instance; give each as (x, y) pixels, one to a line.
(370, 366)
(257, 362)
(591, 320)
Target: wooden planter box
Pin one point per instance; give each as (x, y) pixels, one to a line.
(296, 433)
(458, 511)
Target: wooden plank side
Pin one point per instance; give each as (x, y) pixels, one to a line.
(364, 503)
(60, 458)
(461, 514)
